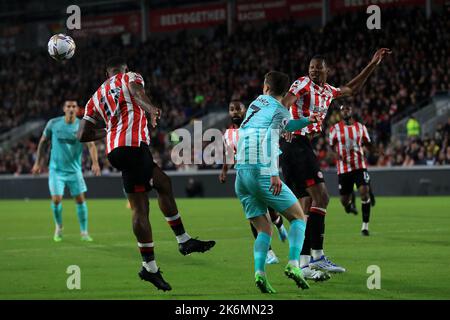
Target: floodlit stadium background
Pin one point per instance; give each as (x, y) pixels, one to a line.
(195, 57)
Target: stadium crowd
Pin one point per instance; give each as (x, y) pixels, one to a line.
(429, 150)
(190, 75)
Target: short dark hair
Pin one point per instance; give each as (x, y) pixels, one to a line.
(278, 82)
(69, 99)
(320, 58)
(236, 101)
(115, 62)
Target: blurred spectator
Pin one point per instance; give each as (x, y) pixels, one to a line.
(412, 127)
(188, 75)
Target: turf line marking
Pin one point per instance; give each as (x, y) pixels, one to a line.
(98, 246)
(94, 234)
(380, 232)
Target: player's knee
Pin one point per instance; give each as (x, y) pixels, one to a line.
(365, 196)
(140, 207)
(262, 225)
(294, 212)
(306, 203)
(79, 199)
(298, 216)
(56, 200)
(364, 193)
(265, 229)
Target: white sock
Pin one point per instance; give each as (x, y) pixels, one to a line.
(84, 233)
(316, 254)
(183, 238)
(304, 260)
(365, 226)
(58, 229)
(293, 263)
(150, 266)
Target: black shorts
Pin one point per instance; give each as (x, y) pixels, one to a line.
(348, 180)
(136, 165)
(300, 166)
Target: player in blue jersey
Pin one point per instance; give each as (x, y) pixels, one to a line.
(65, 166)
(258, 185)
(237, 111)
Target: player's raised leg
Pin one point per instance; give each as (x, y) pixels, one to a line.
(296, 236)
(168, 206)
(271, 256)
(263, 226)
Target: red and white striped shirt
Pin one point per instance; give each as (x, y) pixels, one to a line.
(311, 99)
(125, 120)
(347, 141)
(230, 139)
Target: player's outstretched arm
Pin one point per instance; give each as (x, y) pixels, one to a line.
(94, 157)
(298, 124)
(138, 93)
(87, 131)
(357, 83)
(42, 146)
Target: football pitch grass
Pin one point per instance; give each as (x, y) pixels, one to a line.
(409, 242)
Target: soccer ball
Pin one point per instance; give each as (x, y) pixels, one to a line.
(61, 47)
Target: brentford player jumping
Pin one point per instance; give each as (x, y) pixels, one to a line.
(313, 95)
(121, 104)
(347, 137)
(237, 111)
